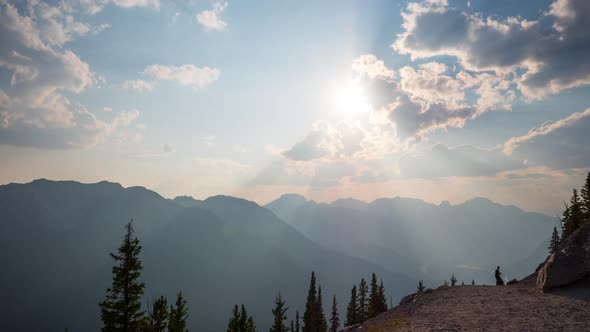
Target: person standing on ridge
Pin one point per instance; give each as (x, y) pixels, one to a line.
(499, 281)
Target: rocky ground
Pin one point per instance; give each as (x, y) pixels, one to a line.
(520, 307)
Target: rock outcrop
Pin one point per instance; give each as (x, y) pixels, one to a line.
(569, 263)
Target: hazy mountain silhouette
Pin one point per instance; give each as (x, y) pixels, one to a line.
(424, 240)
(55, 240)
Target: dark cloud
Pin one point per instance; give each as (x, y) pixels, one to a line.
(553, 51)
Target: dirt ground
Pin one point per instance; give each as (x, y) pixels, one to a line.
(489, 308)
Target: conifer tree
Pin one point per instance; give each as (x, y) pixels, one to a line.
(121, 310)
(374, 300)
(453, 280)
(420, 287)
(310, 323)
(240, 321)
(297, 326)
(585, 198)
(159, 315)
(319, 311)
(472, 282)
(352, 311)
(178, 315)
(363, 312)
(554, 241)
(572, 216)
(279, 314)
(292, 326)
(382, 298)
(334, 319)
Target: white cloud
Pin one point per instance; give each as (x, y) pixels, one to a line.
(210, 19)
(371, 66)
(542, 57)
(138, 85)
(186, 75)
(34, 111)
(93, 7)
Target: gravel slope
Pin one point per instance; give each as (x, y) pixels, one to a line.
(489, 308)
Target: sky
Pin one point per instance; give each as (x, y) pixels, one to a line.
(438, 100)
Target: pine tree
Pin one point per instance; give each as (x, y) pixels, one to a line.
(420, 287)
(554, 241)
(472, 282)
(310, 323)
(292, 326)
(382, 298)
(572, 216)
(279, 314)
(121, 310)
(159, 316)
(363, 304)
(319, 311)
(178, 315)
(297, 326)
(585, 198)
(374, 300)
(240, 321)
(352, 311)
(453, 280)
(334, 319)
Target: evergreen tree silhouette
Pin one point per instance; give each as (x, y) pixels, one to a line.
(374, 299)
(352, 311)
(572, 216)
(121, 310)
(420, 287)
(292, 326)
(363, 301)
(472, 282)
(320, 317)
(240, 321)
(585, 198)
(279, 314)
(297, 326)
(178, 315)
(382, 298)
(334, 319)
(159, 316)
(311, 321)
(554, 241)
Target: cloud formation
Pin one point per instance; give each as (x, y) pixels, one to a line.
(210, 19)
(560, 144)
(542, 57)
(185, 75)
(33, 110)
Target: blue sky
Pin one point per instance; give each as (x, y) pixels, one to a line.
(438, 100)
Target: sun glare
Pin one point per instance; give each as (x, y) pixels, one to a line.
(350, 99)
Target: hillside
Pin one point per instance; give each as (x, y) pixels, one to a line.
(488, 308)
(56, 236)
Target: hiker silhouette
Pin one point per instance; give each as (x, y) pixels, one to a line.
(499, 281)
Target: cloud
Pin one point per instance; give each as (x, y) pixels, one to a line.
(560, 144)
(543, 57)
(210, 19)
(371, 66)
(34, 110)
(464, 160)
(138, 85)
(93, 7)
(185, 75)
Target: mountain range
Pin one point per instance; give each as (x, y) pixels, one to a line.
(56, 236)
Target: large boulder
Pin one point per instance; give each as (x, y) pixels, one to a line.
(569, 263)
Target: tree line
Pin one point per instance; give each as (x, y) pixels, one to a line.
(121, 311)
(575, 214)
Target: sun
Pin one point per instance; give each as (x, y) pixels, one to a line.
(350, 99)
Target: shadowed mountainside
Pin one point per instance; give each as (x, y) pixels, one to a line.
(55, 240)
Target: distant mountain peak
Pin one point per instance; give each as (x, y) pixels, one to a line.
(186, 201)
